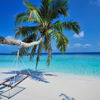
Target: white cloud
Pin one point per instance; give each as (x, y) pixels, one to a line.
(81, 35)
(77, 45)
(87, 45)
(10, 37)
(82, 45)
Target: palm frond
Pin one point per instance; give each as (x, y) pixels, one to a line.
(52, 14)
(34, 13)
(62, 44)
(61, 7)
(58, 26)
(38, 54)
(25, 31)
(23, 52)
(47, 46)
(28, 4)
(45, 9)
(31, 38)
(74, 26)
(33, 52)
(61, 40)
(21, 18)
(46, 41)
(51, 9)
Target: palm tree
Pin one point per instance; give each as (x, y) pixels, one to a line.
(45, 23)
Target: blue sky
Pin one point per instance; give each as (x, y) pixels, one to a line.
(87, 12)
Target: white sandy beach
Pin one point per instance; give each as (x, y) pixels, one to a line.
(56, 86)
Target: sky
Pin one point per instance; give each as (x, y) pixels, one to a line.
(87, 12)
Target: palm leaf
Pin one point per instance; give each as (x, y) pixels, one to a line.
(67, 25)
(31, 38)
(25, 31)
(33, 52)
(62, 43)
(38, 54)
(61, 40)
(21, 18)
(34, 14)
(47, 46)
(23, 51)
(61, 6)
(45, 8)
(28, 4)
(46, 41)
(58, 26)
(72, 26)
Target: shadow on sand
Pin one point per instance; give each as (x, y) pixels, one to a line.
(35, 75)
(9, 93)
(65, 97)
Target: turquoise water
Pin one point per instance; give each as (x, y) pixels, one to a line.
(70, 64)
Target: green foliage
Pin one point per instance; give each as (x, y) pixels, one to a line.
(23, 51)
(28, 4)
(21, 18)
(33, 52)
(61, 40)
(48, 48)
(25, 31)
(67, 25)
(62, 7)
(72, 26)
(33, 13)
(43, 24)
(38, 54)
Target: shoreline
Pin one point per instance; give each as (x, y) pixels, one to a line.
(58, 73)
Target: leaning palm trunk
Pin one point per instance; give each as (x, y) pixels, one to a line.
(19, 42)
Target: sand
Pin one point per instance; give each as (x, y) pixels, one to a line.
(54, 86)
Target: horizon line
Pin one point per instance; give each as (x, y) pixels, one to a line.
(55, 53)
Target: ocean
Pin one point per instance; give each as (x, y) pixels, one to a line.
(78, 64)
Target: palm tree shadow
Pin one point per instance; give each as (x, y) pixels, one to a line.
(65, 97)
(35, 75)
(0, 97)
